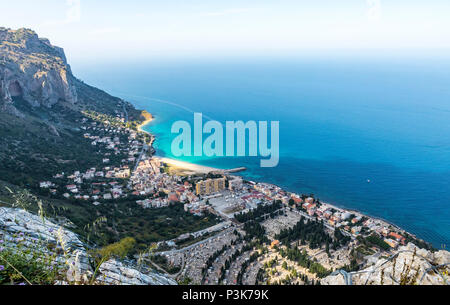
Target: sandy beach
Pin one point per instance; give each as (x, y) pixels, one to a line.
(143, 124)
(148, 119)
(190, 167)
(176, 164)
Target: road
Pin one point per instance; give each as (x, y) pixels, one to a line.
(144, 150)
(347, 276)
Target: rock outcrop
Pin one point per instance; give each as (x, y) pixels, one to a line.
(114, 272)
(18, 224)
(410, 265)
(34, 70)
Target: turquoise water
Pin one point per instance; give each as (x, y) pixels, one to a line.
(342, 121)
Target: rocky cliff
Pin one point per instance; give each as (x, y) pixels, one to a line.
(19, 226)
(409, 265)
(41, 106)
(33, 70)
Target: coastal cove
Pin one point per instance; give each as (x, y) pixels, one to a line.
(335, 141)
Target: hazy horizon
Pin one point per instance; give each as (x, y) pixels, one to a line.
(114, 30)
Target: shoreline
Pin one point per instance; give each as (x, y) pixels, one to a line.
(148, 119)
(183, 165)
(174, 163)
(196, 168)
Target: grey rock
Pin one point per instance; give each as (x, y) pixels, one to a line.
(34, 70)
(411, 266)
(17, 222)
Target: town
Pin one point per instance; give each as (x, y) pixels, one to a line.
(263, 235)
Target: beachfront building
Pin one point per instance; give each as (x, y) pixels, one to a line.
(210, 186)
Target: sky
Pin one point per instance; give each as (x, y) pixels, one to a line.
(117, 29)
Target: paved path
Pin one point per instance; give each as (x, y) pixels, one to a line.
(144, 150)
(347, 276)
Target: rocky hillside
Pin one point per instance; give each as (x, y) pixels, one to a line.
(41, 104)
(34, 70)
(37, 72)
(20, 231)
(409, 265)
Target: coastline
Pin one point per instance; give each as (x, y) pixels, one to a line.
(192, 168)
(148, 118)
(173, 163)
(187, 166)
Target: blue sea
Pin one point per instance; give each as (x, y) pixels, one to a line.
(343, 121)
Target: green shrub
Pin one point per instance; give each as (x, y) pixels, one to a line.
(119, 249)
(27, 264)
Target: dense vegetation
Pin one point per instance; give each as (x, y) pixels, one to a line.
(22, 264)
(261, 210)
(301, 257)
(120, 249)
(254, 230)
(110, 222)
(313, 233)
(126, 218)
(375, 240)
(30, 152)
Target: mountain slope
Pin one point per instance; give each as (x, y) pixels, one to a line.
(40, 109)
(37, 72)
